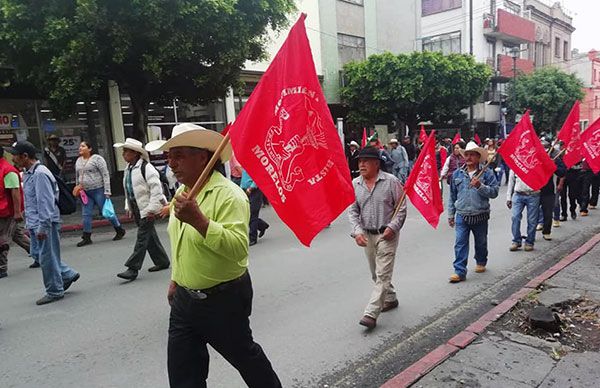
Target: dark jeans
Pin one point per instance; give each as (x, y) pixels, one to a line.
(147, 240)
(595, 190)
(547, 205)
(221, 320)
(571, 189)
(586, 178)
(256, 223)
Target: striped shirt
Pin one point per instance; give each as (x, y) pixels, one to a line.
(374, 209)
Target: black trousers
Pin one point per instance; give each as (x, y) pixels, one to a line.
(586, 179)
(595, 190)
(571, 189)
(147, 240)
(220, 320)
(256, 223)
(547, 203)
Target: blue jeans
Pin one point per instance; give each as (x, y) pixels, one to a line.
(519, 203)
(461, 246)
(556, 212)
(47, 253)
(95, 198)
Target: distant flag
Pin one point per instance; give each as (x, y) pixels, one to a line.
(443, 155)
(457, 138)
(524, 153)
(570, 135)
(422, 135)
(477, 139)
(363, 143)
(422, 185)
(590, 139)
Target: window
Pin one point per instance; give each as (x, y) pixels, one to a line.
(429, 7)
(557, 47)
(565, 50)
(507, 49)
(350, 48)
(357, 2)
(445, 43)
(540, 54)
(513, 8)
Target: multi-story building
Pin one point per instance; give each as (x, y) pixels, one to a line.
(512, 37)
(586, 67)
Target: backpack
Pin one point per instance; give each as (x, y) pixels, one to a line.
(163, 180)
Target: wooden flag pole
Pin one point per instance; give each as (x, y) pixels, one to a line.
(400, 203)
(559, 154)
(203, 178)
(552, 146)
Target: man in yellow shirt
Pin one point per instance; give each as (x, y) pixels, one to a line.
(210, 291)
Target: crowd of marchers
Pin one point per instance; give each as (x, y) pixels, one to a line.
(473, 173)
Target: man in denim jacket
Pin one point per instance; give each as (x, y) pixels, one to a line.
(469, 209)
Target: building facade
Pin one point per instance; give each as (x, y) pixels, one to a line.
(586, 67)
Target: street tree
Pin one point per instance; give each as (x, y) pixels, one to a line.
(549, 93)
(156, 50)
(421, 86)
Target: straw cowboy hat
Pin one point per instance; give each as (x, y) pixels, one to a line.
(473, 147)
(134, 145)
(393, 141)
(192, 135)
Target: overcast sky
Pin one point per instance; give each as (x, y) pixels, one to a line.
(585, 19)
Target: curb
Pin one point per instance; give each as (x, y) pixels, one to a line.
(423, 366)
(95, 224)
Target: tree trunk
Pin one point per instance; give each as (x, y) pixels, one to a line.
(139, 105)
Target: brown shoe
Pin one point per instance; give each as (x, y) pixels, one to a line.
(387, 306)
(528, 248)
(514, 247)
(454, 278)
(368, 321)
(480, 268)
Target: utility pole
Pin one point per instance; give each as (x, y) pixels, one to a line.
(471, 110)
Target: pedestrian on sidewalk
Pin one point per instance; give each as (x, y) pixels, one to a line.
(518, 197)
(400, 159)
(257, 225)
(144, 199)
(93, 179)
(373, 228)
(43, 221)
(469, 209)
(55, 156)
(210, 291)
(11, 208)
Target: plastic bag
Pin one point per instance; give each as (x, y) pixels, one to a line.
(83, 196)
(108, 210)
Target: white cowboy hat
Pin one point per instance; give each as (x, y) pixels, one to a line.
(393, 141)
(191, 135)
(353, 143)
(473, 147)
(134, 145)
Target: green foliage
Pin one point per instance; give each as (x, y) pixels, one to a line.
(549, 93)
(154, 49)
(413, 87)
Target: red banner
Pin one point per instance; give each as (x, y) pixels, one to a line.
(286, 140)
(523, 152)
(363, 143)
(422, 135)
(422, 185)
(456, 139)
(477, 139)
(570, 135)
(590, 140)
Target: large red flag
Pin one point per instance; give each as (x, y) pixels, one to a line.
(570, 134)
(422, 135)
(422, 185)
(590, 139)
(443, 156)
(286, 140)
(363, 143)
(525, 155)
(456, 139)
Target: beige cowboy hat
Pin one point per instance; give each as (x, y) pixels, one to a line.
(192, 135)
(134, 145)
(393, 141)
(473, 147)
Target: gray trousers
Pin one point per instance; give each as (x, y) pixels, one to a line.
(147, 240)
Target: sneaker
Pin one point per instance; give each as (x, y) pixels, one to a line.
(480, 268)
(48, 299)
(556, 223)
(583, 213)
(528, 248)
(514, 247)
(455, 278)
(539, 227)
(69, 282)
(547, 237)
(592, 207)
(563, 218)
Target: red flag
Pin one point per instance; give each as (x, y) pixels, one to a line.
(457, 138)
(590, 139)
(363, 144)
(286, 139)
(524, 153)
(422, 185)
(570, 135)
(443, 155)
(423, 135)
(477, 139)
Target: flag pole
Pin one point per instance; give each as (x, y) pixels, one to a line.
(203, 178)
(559, 154)
(400, 203)
(552, 146)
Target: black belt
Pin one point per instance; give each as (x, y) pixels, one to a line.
(376, 231)
(528, 193)
(203, 294)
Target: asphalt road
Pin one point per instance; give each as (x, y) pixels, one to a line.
(307, 303)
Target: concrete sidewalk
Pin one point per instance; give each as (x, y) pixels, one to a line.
(502, 349)
(73, 222)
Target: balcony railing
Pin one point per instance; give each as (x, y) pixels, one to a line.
(508, 27)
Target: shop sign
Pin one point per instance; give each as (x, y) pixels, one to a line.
(71, 145)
